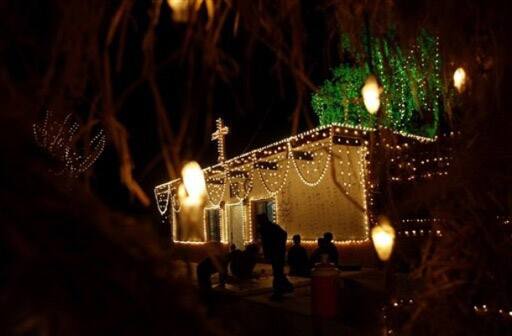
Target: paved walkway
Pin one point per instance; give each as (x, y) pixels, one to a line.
(246, 309)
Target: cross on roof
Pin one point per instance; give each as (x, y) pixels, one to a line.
(219, 135)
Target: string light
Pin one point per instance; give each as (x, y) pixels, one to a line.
(219, 136)
(411, 87)
(59, 139)
(247, 176)
(398, 306)
(365, 186)
(326, 166)
(218, 194)
(283, 179)
(162, 198)
(182, 242)
(346, 242)
(273, 165)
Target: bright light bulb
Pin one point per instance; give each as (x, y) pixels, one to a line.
(459, 79)
(383, 236)
(371, 94)
(194, 184)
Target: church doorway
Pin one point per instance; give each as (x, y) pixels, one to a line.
(235, 224)
(212, 224)
(263, 206)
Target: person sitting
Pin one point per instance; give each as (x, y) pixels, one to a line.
(233, 257)
(298, 258)
(332, 251)
(215, 262)
(243, 263)
(316, 256)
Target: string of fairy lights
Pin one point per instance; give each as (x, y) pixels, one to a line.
(278, 158)
(162, 195)
(60, 139)
(410, 79)
(314, 151)
(311, 154)
(242, 180)
(398, 305)
(215, 189)
(272, 180)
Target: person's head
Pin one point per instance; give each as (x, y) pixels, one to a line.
(296, 239)
(232, 247)
(328, 237)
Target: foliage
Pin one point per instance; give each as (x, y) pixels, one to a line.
(411, 82)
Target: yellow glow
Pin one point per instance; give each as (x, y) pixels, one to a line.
(371, 94)
(193, 189)
(383, 236)
(180, 9)
(459, 79)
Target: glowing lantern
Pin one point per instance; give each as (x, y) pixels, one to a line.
(383, 236)
(180, 9)
(459, 79)
(371, 94)
(192, 196)
(193, 190)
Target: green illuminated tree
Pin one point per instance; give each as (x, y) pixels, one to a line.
(410, 79)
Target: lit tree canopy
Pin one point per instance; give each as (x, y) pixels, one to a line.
(411, 82)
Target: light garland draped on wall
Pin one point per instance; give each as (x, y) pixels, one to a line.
(307, 202)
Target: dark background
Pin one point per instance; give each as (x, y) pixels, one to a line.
(256, 103)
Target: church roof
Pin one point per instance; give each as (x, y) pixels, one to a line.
(342, 134)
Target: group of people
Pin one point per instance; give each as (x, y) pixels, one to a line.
(273, 242)
(299, 262)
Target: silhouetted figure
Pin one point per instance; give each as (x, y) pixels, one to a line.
(233, 256)
(215, 263)
(331, 248)
(321, 249)
(232, 248)
(243, 263)
(273, 239)
(298, 258)
(208, 267)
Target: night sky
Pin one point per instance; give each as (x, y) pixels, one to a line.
(256, 103)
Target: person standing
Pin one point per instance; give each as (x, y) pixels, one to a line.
(273, 240)
(298, 258)
(332, 251)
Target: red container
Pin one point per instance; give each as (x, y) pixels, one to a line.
(324, 290)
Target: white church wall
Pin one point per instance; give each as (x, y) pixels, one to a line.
(310, 199)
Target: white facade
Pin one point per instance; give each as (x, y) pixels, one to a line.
(310, 183)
